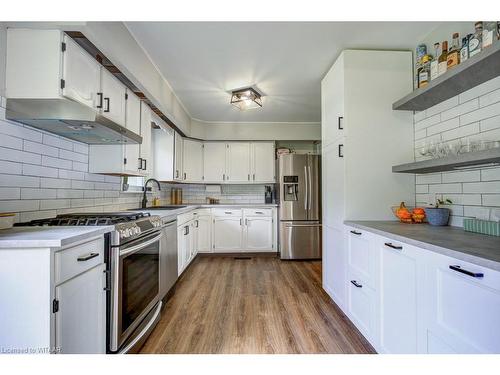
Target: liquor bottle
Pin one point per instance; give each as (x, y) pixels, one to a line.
(464, 51)
(425, 71)
(442, 60)
(489, 33)
(453, 57)
(476, 40)
(434, 62)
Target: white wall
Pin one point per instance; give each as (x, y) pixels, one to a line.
(255, 131)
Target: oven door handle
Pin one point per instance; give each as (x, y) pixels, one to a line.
(140, 246)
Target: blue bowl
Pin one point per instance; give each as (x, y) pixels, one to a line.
(437, 216)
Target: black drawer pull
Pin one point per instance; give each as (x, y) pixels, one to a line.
(84, 258)
(465, 272)
(341, 151)
(355, 283)
(388, 244)
(356, 233)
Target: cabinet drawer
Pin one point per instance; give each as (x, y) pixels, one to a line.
(202, 212)
(267, 212)
(361, 305)
(184, 218)
(78, 259)
(226, 212)
(361, 254)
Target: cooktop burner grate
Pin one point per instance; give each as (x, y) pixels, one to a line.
(88, 219)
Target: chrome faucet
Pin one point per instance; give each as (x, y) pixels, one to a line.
(144, 199)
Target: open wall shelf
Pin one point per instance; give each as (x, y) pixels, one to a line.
(474, 71)
(467, 160)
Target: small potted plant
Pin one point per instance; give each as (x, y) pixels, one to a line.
(437, 215)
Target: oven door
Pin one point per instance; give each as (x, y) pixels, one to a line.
(135, 290)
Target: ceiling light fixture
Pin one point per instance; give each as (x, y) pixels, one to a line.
(247, 98)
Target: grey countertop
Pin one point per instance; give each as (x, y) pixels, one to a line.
(191, 207)
(475, 248)
(48, 237)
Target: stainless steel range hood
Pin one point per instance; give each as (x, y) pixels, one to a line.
(69, 119)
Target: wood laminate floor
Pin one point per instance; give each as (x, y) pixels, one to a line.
(257, 305)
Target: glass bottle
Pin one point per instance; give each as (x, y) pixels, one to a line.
(475, 41)
(442, 60)
(434, 62)
(464, 50)
(489, 33)
(453, 57)
(424, 75)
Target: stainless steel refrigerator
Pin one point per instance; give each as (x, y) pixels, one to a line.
(299, 206)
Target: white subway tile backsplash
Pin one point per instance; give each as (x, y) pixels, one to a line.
(38, 170)
(71, 175)
(55, 183)
(39, 148)
(19, 205)
(53, 204)
(31, 193)
(473, 192)
(58, 142)
(77, 166)
(10, 167)
(49, 161)
(19, 181)
(81, 148)
(69, 193)
(460, 109)
(10, 193)
(75, 156)
(19, 156)
(463, 176)
(11, 142)
(86, 185)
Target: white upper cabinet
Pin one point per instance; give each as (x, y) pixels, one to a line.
(238, 162)
(178, 147)
(192, 160)
(214, 161)
(113, 93)
(263, 162)
(81, 74)
(163, 153)
(145, 149)
(133, 112)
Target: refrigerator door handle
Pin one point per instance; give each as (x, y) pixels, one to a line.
(309, 180)
(306, 195)
(303, 225)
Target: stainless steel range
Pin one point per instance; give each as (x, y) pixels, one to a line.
(132, 265)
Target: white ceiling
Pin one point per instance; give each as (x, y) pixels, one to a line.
(286, 61)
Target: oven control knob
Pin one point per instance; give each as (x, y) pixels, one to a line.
(137, 230)
(124, 233)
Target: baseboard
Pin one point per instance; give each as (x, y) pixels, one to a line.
(242, 255)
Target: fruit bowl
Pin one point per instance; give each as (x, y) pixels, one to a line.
(409, 214)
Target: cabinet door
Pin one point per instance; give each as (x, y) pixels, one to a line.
(182, 244)
(227, 233)
(361, 254)
(398, 298)
(192, 161)
(178, 176)
(163, 153)
(214, 161)
(238, 162)
(133, 112)
(258, 234)
(263, 162)
(81, 74)
(463, 308)
(334, 264)
(113, 92)
(145, 149)
(332, 103)
(203, 226)
(333, 180)
(361, 305)
(81, 319)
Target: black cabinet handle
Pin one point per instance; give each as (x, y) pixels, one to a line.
(145, 164)
(355, 283)
(84, 258)
(107, 104)
(356, 233)
(184, 175)
(341, 125)
(99, 94)
(140, 163)
(465, 272)
(176, 173)
(388, 244)
(341, 151)
(186, 230)
(197, 223)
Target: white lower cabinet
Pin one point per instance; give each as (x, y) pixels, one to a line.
(185, 245)
(463, 307)
(398, 297)
(81, 319)
(258, 233)
(228, 233)
(203, 233)
(406, 299)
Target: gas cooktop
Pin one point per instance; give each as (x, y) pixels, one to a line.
(88, 219)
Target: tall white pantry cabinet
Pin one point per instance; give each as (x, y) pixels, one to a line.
(362, 138)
